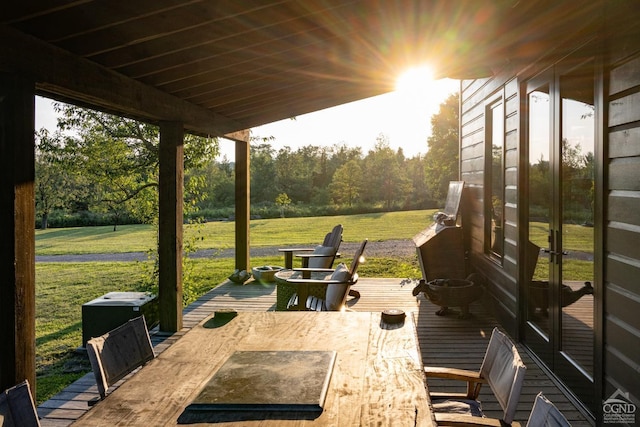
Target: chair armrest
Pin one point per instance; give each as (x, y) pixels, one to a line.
(314, 255)
(454, 374)
(472, 378)
(314, 270)
(444, 419)
(314, 282)
(296, 250)
(443, 395)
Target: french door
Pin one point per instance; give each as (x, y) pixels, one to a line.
(559, 303)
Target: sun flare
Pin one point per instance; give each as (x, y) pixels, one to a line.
(416, 79)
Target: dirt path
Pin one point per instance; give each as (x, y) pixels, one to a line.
(388, 248)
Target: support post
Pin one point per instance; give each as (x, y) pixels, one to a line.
(17, 228)
(170, 221)
(242, 204)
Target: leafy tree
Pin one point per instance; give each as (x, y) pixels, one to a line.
(295, 171)
(331, 159)
(341, 154)
(120, 158)
(386, 181)
(346, 185)
(539, 189)
(56, 187)
(442, 158)
(218, 184)
(577, 182)
(418, 197)
(323, 172)
(282, 201)
(263, 173)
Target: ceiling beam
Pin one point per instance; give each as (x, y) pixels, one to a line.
(61, 75)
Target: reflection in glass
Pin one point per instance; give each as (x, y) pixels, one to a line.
(497, 178)
(539, 192)
(577, 156)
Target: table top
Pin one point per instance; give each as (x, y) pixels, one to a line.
(377, 378)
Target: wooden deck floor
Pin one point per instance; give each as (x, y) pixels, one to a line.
(444, 341)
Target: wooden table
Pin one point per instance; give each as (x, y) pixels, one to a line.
(377, 377)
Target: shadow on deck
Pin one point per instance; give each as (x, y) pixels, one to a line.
(444, 341)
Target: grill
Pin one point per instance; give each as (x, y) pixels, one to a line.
(442, 258)
(440, 246)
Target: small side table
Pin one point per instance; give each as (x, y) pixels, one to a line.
(288, 255)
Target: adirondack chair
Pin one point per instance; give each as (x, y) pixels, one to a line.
(545, 414)
(502, 369)
(337, 286)
(119, 352)
(322, 256)
(17, 408)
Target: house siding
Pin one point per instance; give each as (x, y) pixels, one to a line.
(622, 221)
(618, 333)
(502, 289)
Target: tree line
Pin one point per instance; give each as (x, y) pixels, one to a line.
(96, 168)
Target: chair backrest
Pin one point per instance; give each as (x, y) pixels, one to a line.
(328, 249)
(118, 352)
(17, 407)
(545, 414)
(333, 238)
(504, 371)
(336, 293)
(357, 258)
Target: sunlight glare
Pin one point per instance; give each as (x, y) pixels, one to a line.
(416, 79)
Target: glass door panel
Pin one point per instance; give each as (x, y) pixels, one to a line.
(576, 247)
(561, 135)
(539, 188)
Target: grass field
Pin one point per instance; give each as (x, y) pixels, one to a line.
(62, 288)
(220, 235)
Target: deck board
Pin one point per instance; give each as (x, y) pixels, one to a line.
(443, 340)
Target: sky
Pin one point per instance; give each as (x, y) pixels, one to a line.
(403, 116)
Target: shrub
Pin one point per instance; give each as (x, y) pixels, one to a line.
(62, 219)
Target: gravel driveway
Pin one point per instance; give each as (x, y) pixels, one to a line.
(387, 248)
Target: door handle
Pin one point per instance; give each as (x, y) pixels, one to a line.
(553, 239)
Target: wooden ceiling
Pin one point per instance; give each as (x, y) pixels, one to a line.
(222, 66)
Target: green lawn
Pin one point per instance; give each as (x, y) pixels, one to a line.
(220, 235)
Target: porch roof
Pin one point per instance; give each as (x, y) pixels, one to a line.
(225, 66)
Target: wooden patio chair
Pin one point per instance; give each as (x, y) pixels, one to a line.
(322, 256)
(545, 414)
(337, 285)
(119, 352)
(502, 368)
(17, 408)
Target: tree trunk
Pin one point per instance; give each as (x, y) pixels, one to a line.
(45, 221)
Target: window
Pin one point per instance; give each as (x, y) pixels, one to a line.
(494, 179)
